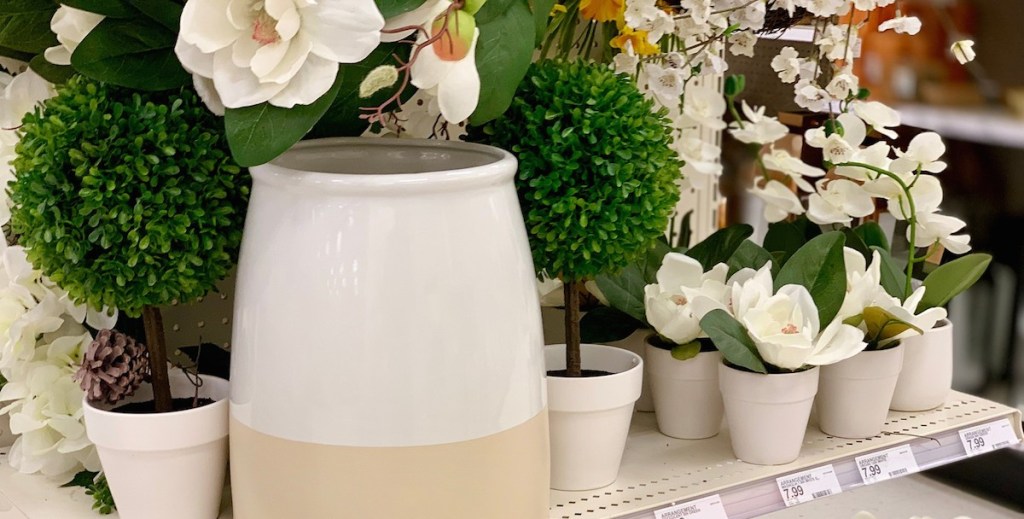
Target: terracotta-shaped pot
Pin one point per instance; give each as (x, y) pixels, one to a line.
(767, 414)
(854, 395)
(590, 416)
(927, 375)
(687, 401)
(165, 465)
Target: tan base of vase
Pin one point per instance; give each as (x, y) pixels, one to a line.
(503, 476)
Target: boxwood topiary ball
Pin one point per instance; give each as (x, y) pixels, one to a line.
(127, 199)
(597, 174)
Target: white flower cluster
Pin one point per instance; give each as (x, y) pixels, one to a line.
(42, 341)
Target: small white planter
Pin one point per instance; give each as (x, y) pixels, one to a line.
(927, 375)
(165, 465)
(854, 395)
(6, 437)
(687, 401)
(637, 343)
(767, 414)
(590, 416)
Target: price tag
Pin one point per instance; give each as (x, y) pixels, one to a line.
(888, 464)
(707, 508)
(808, 485)
(988, 437)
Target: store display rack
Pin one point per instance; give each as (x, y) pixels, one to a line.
(664, 478)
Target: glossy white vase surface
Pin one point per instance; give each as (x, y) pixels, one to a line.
(927, 375)
(387, 352)
(854, 394)
(687, 400)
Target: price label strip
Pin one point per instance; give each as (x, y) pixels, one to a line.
(707, 508)
(808, 485)
(988, 437)
(888, 464)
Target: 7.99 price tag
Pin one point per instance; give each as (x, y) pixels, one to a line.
(988, 437)
(888, 464)
(808, 485)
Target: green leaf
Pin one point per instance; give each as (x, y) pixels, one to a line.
(625, 291)
(720, 246)
(872, 235)
(604, 324)
(787, 237)
(25, 25)
(258, 134)
(854, 242)
(541, 10)
(732, 340)
(342, 118)
(686, 351)
(82, 479)
(819, 266)
(685, 231)
(894, 279)
(652, 262)
(15, 54)
(882, 325)
(953, 278)
(136, 53)
(502, 54)
(165, 12)
(55, 74)
(109, 8)
(749, 255)
(392, 8)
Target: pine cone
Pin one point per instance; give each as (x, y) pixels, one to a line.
(113, 368)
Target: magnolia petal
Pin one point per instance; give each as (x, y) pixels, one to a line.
(243, 51)
(204, 87)
(268, 57)
(238, 87)
(205, 24)
(838, 342)
(241, 14)
(429, 70)
(289, 24)
(193, 59)
(58, 55)
(419, 16)
(359, 20)
(278, 8)
(678, 270)
(311, 82)
(459, 93)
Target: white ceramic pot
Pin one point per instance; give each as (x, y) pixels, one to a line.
(637, 343)
(165, 465)
(927, 375)
(387, 352)
(767, 414)
(590, 416)
(6, 437)
(687, 401)
(854, 394)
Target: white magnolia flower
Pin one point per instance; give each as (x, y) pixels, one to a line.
(838, 201)
(666, 83)
(742, 43)
(681, 279)
(863, 283)
(793, 167)
(963, 51)
(906, 311)
(878, 116)
(902, 25)
(285, 52)
(935, 227)
(705, 106)
(457, 83)
(923, 153)
(787, 64)
(71, 27)
(759, 128)
(779, 201)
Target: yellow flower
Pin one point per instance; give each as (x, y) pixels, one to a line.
(601, 10)
(637, 38)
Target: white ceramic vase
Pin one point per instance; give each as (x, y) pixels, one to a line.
(637, 343)
(854, 395)
(165, 465)
(590, 416)
(767, 414)
(387, 352)
(927, 375)
(687, 400)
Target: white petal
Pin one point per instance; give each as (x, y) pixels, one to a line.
(344, 32)
(268, 57)
(243, 51)
(58, 55)
(837, 342)
(288, 24)
(428, 70)
(205, 24)
(678, 270)
(311, 82)
(193, 59)
(292, 62)
(239, 87)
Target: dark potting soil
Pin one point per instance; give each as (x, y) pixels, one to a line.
(180, 404)
(587, 373)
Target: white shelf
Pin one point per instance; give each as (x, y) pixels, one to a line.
(657, 471)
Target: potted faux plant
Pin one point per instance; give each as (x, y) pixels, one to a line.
(774, 331)
(597, 184)
(132, 201)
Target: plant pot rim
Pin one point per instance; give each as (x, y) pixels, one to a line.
(217, 403)
(639, 364)
(748, 372)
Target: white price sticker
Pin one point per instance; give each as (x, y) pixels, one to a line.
(888, 464)
(808, 485)
(707, 508)
(988, 437)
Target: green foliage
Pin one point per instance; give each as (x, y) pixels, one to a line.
(720, 246)
(882, 327)
(686, 351)
(784, 238)
(625, 288)
(55, 74)
(503, 54)
(893, 277)
(596, 171)
(732, 340)
(951, 279)
(391, 8)
(136, 53)
(127, 199)
(25, 25)
(605, 324)
(819, 266)
(95, 485)
(872, 235)
(750, 255)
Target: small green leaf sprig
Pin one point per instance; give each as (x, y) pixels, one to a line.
(127, 199)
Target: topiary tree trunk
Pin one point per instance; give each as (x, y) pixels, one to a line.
(573, 362)
(157, 346)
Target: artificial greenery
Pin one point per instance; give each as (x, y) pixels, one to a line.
(596, 171)
(127, 199)
(95, 485)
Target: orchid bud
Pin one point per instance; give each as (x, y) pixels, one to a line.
(455, 44)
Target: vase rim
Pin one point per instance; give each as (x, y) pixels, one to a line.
(372, 164)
